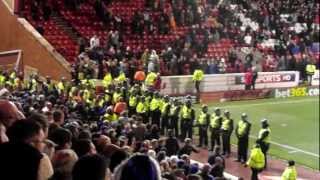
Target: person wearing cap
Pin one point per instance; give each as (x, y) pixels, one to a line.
(165, 110)
(242, 133)
(155, 110)
(264, 138)
(197, 77)
(215, 126)
(187, 115)
(174, 116)
(290, 173)
(203, 121)
(256, 161)
(227, 128)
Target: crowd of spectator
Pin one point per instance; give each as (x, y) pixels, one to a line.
(67, 130)
(270, 35)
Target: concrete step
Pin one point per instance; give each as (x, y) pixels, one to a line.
(63, 24)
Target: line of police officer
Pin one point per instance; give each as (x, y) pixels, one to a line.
(166, 113)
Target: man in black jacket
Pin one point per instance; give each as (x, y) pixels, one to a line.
(172, 144)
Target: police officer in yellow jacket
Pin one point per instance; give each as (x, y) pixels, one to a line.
(197, 78)
(165, 111)
(242, 133)
(174, 116)
(227, 128)
(264, 138)
(133, 101)
(110, 116)
(215, 127)
(310, 70)
(203, 121)
(187, 115)
(256, 161)
(142, 109)
(155, 109)
(290, 173)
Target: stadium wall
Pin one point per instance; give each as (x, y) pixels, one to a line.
(17, 33)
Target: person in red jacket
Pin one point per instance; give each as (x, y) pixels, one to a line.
(248, 79)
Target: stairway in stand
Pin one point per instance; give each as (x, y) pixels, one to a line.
(63, 24)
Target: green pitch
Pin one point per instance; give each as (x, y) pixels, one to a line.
(294, 124)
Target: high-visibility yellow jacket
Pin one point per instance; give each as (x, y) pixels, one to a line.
(267, 138)
(150, 79)
(310, 68)
(256, 159)
(290, 173)
(197, 75)
(107, 80)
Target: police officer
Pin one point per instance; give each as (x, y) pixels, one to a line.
(290, 173)
(141, 110)
(227, 128)
(165, 110)
(197, 78)
(133, 101)
(174, 116)
(215, 126)
(310, 70)
(264, 138)
(155, 109)
(187, 118)
(256, 161)
(242, 133)
(203, 124)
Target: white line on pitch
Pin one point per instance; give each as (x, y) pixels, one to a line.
(293, 151)
(270, 103)
(291, 148)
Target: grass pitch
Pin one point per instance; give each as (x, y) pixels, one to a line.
(294, 124)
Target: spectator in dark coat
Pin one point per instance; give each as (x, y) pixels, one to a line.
(172, 144)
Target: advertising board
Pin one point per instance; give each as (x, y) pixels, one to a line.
(226, 82)
(296, 92)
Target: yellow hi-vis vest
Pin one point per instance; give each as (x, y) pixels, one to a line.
(214, 121)
(164, 107)
(226, 124)
(33, 85)
(121, 77)
(241, 127)
(141, 107)
(132, 101)
(290, 173)
(116, 97)
(256, 159)
(60, 87)
(267, 138)
(197, 75)
(310, 68)
(186, 112)
(173, 109)
(154, 104)
(107, 80)
(110, 117)
(2, 80)
(202, 118)
(150, 79)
